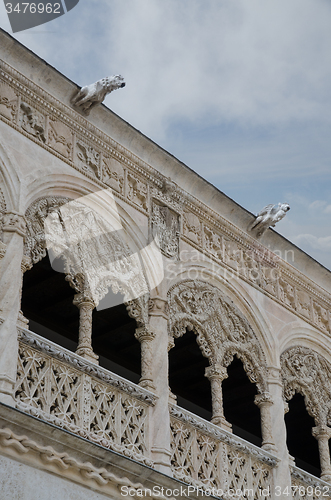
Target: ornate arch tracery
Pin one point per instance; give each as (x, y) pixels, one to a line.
(308, 373)
(222, 330)
(94, 254)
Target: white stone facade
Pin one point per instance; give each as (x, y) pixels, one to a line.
(70, 428)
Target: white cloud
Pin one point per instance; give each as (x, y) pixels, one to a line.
(322, 243)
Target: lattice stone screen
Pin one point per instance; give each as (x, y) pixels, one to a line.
(208, 458)
(57, 392)
(308, 487)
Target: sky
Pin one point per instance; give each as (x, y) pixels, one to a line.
(239, 90)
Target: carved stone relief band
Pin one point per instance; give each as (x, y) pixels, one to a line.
(109, 164)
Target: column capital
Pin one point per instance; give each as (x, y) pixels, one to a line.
(321, 431)
(264, 399)
(81, 299)
(144, 333)
(218, 372)
(13, 222)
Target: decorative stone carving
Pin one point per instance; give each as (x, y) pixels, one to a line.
(232, 253)
(303, 303)
(222, 330)
(165, 227)
(269, 278)
(84, 348)
(57, 352)
(137, 191)
(287, 293)
(94, 254)
(264, 402)
(113, 173)
(60, 138)
(216, 374)
(145, 337)
(192, 227)
(268, 217)
(89, 96)
(322, 434)
(306, 372)
(8, 102)
(53, 391)
(88, 158)
(33, 122)
(13, 222)
(35, 244)
(321, 317)
(213, 242)
(138, 309)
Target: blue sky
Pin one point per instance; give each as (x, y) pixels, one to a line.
(238, 90)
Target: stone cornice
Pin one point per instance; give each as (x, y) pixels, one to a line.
(33, 340)
(87, 149)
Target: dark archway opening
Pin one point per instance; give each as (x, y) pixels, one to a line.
(47, 303)
(238, 403)
(300, 442)
(186, 376)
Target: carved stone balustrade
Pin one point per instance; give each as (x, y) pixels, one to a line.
(209, 457)
(60, 387)
(305, 486)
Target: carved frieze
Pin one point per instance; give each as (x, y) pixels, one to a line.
(32, 122)
(222, 330)
(88, 159)
(213, 242)
(113, 173)
(8, 102)
(321, 317)
(308, 373)
(286, 292)
(137, 191)
(60, 138)
(165, 227)
(303, 303)
(192, 227)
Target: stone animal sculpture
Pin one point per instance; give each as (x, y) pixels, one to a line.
(268, 217)
(89, 96)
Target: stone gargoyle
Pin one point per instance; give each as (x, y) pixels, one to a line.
(268, 217)
(89, 96)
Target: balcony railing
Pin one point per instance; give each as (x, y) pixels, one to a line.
(60, 387)
(211, 458)
(308, 487)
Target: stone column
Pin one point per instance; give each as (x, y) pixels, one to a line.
(86, 306)
(216, 374)
(281, 473)
(10, 300)
(323, 433)
(159, 371)
(145, 337)
(264, 402)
